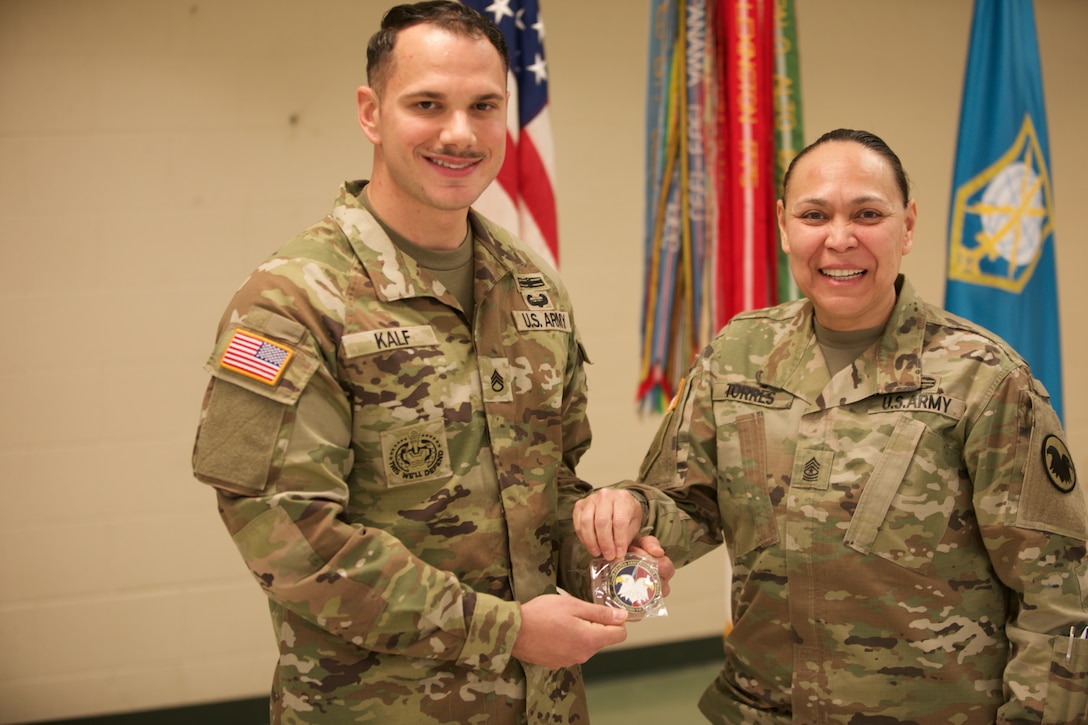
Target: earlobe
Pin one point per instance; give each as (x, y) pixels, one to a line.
(367, 102)
(912, 217)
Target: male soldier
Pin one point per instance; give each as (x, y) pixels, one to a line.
(392, 432)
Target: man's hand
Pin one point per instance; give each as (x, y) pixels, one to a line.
(606, 522)
(561, 631)
(650, 546)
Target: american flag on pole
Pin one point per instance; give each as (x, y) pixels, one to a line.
(522, 198)
(255, 357)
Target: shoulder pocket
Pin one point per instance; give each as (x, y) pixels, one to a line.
(236, 441)
(1050, 499)
(743, 498)
(259, 371)
(265, 355)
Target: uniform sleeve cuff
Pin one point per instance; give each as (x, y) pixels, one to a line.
(492, 632)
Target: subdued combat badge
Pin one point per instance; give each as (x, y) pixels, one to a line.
(632, 583)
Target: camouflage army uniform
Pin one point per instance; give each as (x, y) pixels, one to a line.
(908, 541)
(395, 481)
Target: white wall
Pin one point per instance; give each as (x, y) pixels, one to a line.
(152, 153)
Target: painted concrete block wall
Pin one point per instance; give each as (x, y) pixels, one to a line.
(152, 153)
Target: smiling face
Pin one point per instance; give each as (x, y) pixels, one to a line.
(438, 125)
(846, 226)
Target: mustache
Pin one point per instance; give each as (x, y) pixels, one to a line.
(457, 153)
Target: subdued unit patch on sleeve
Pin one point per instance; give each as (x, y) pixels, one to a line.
(1050, 499)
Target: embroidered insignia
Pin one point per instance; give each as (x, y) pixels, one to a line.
(1059, 464)
(925, 402)
(369, 342)
(416, 456)
(530, 281)
(534, 320)
(757, 395)
(540, 301)
(633, 585)
(812, 470)
(255, 357)
(498, 379)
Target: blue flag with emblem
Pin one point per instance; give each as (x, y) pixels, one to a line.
(1001, 258)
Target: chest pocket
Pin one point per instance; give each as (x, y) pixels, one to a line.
(902, 513)
(401, 383)
(398, 376)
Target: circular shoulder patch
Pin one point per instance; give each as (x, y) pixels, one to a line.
(1059, 464)
(633, 585)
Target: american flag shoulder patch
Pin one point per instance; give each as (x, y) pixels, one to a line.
(255, 357)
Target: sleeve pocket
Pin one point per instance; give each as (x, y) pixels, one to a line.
(743, 499)
(237, 438)
(1067, 687)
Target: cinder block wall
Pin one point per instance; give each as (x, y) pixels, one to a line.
(152, 153)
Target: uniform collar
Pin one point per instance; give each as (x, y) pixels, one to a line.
(396, 275)
(895, 366)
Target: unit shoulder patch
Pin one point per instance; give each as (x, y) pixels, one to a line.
(1058, 464)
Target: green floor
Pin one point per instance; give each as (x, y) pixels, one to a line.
(663, 696)
(666, 693)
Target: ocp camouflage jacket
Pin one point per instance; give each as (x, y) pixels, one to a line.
(396, 480)
(907, 537)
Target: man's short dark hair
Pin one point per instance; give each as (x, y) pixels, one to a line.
(451, 16)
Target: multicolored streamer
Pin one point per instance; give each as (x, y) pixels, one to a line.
(712, 140)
